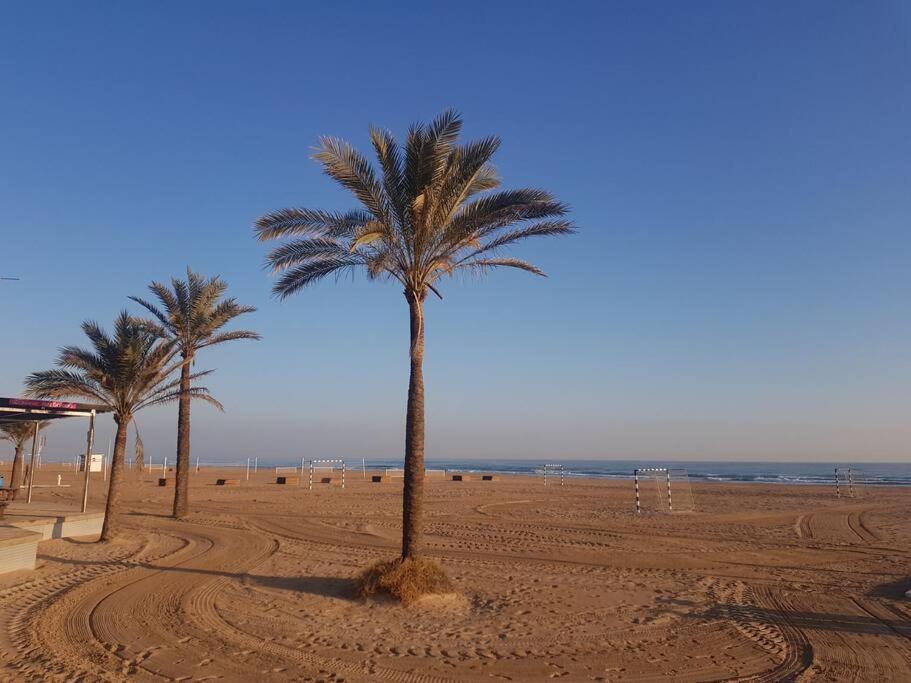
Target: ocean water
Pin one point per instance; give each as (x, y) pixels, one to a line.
(884, 474)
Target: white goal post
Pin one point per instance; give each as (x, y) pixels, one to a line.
(327, 465)
(553, 468)
(849, 482)
(672, 489)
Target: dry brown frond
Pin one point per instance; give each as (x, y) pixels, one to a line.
(407, 580)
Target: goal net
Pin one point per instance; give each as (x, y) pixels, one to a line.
(660, 489)
(849, 482)
(286, 470)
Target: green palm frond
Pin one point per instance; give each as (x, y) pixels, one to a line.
(191, 313)
(433, 210)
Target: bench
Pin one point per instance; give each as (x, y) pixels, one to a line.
(378, 478)
(489, 477)
(461, 477)
(227, 482)
(287, 480)
(7, 496)
(162, 481)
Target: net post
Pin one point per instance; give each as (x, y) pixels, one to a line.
(562, 472)
(343, 475)
(31, 467)
(837, 490)
(850, 483)
(311, 475)
(636, 477)
(300, 480)
(545, 475)
(670, 506)
(90, 442)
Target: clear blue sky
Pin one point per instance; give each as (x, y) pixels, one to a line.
(740, 172)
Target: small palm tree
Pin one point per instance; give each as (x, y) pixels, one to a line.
(192, 316)
(18, 433)
(425, 217)
(127, 371)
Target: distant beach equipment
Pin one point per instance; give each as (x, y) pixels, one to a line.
(331, 465)
(554, 468)
(849, 482)
(667, 481)
(227, 482)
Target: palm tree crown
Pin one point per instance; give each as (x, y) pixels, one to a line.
(126, 371)
(192, 312)
(18, 433)
(426, 216)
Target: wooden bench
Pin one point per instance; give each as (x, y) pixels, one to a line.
(287, 480)
(227, 482)
(461, 477)
(162, 481)
(7, 496)
(489, 477)
(379, 478)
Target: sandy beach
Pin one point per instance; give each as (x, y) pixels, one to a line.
(763, 583)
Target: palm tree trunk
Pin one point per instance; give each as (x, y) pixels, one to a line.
(182, 476)
(15, 478)
(413, 496)
(109, 530)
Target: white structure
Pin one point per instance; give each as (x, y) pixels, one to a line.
(849, 482)
(554, 467)
(95, 464)
(673, 492)
(327, 465)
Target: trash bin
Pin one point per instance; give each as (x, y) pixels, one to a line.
(2, 482)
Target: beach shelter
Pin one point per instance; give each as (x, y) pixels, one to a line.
(35, 411)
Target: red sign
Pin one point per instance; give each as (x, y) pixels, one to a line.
(28, 403)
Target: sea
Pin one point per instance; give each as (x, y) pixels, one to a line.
(882, 474)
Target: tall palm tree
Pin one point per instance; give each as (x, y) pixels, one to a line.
(127, 371)
(192, 315)
(428, 214)
(18, 433)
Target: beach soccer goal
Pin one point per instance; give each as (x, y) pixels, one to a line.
(849, 482)
(286, 470)
(331, 466)
(662, 489)
(554, 469)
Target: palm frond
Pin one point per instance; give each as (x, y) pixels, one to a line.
(483, 265)
(298, 277)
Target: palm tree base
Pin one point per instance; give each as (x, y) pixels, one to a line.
(406, 580)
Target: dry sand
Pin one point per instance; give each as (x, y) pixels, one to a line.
(761, 583)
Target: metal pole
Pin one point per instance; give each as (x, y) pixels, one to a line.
(670, 507)
(343, 474)
(256, 464)
(364, 465)
(197, 463)
(90, 442)
(850, 484)
(562, 474)
(545, 475)
(300, 479)
(31, 467)
(164, 468)
(837, 491)
(248, 469)
(636, 477)
(311, 475)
